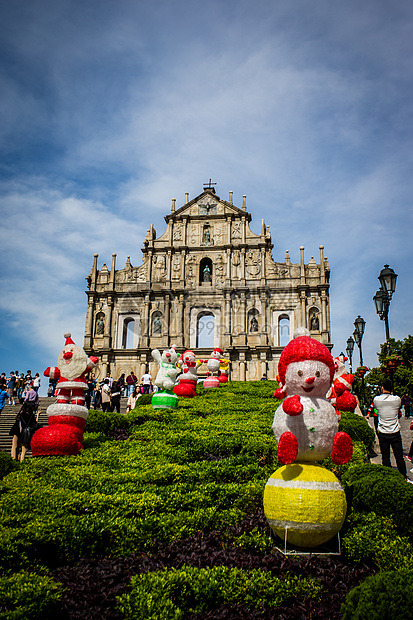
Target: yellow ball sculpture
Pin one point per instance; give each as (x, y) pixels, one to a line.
(307, 500)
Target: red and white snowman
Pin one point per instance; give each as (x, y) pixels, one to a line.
(67, 417)
(340, 393)
(188, 378)
(305, 424)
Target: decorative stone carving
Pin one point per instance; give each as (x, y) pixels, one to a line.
(253, 265)
(159, 267)
(176, 267)
(178, 232)
(220, 271)
(190, 270)
(236, 265)
(236, 230)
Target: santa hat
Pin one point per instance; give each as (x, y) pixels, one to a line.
(220, 351)
(68, 339)
(302, 348)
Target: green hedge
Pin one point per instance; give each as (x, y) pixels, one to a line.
(358, 428)
(173, 594)
(7, 464)
(29, 596)
(382, 490)
(387, 595)
(372, 538)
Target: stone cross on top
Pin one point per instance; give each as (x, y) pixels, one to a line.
(209, 185)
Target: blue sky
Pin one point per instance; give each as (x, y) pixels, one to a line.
(111, 109)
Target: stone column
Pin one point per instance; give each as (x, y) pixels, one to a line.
(145, 322)
(166, 331)
(242, 370)
(264, 318)
(108, 324)
(303, 309)
(89, 322)
(180, 341)
(228, 338)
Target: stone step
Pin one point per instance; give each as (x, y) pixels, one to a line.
(9, 413)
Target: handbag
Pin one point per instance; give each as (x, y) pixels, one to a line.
(411, 425)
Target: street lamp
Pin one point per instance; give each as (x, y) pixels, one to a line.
(382, 298)
(349, 351)
(359, 325)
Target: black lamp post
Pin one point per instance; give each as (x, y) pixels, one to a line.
(359, 325)
(349, 351)
(382, 298)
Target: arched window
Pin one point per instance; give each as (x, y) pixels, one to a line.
(283, 330)
(205, 330)
(128, 333)
(205, 270)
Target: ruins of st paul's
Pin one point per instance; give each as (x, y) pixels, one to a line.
(208, 271)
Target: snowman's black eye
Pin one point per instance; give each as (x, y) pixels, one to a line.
(300, 373)
(317, 374)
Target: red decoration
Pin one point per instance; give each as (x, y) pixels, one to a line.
(292, 405)
(342, 448)
(287, 448)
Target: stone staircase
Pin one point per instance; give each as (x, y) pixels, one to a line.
(8, 417)
(9, 413)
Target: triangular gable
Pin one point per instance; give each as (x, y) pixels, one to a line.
(207, 196)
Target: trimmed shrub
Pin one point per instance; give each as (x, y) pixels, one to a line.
(357, 427)
(374, 488)
(386, 595)
(104, 422)
(371, 538)
(173, 594)
(7, 464)
(29, 596)
(144, 399)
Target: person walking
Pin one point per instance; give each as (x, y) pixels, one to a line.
(388, 429)
(23, 429)
(131, 382)
(115, 396)
(106, 395)
(11, 386)
(146, 381)
(132, 399)
(3, 395)
(407, 404)
(36, 382)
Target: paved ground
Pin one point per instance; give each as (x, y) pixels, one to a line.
(407, 437)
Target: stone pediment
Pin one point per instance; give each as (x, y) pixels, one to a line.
(207, 204)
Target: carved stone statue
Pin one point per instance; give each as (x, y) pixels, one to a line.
(157, 326)
(254, 324)
(206, 274)
(100, 326)
(207, 236)
(315, 323)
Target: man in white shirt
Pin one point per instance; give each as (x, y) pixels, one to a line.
(146, 381)
(388, 430)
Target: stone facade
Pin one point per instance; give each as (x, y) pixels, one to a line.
(207, 263)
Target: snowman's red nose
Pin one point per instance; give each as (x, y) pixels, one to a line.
(67, 355)
(168, 355)
(310, 380)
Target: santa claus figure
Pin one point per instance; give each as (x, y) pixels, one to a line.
(340, 393)
(305, 424)
(67, 417)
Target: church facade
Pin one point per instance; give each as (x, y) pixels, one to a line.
(207, 271)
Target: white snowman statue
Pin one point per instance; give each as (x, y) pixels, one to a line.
(305, 424)
(165, 379)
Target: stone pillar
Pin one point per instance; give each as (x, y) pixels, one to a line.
(242, 370)
(145, 322)
(94, 272)
(242, 256)
(302, 267)
(227, 320)
(180, 341)
(322, 266)
(108, 324)
(89, 322)
(112, 272)
(303, 309)
(166, 331)
(264, 319)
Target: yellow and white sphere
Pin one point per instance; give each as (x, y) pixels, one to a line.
(307, 500)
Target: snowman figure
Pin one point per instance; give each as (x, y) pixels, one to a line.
(188, 378)
(214, 361)
(305, 424)
(167, 373)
